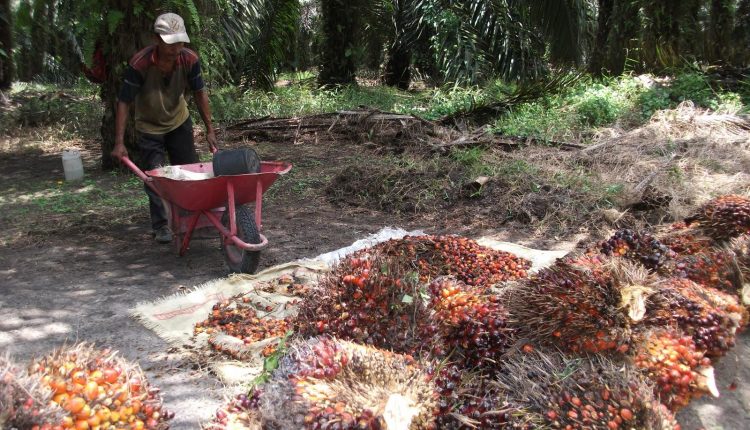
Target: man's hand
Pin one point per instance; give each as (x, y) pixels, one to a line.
(213, 144)
(119, 150)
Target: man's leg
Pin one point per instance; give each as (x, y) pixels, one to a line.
(179, 144)
(153, 155)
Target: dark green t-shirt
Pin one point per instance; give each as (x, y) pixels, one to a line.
(160, 105)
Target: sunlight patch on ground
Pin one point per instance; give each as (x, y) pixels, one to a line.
(30, 334)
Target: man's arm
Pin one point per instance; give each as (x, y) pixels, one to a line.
(131, 85)
(121, 119)
(201, 99)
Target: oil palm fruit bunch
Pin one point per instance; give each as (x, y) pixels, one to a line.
(466, 320)
(582, 309)
(582, 392)
(724, 217)
(371, 299)
(467, 399)
(463, 258)
(245, 320)
(325, 383)
(715, 267)
(637, 246)
(25, 403)
(679, 371)
(711, 317)
(239, 413)
(685, 240)
(100, 389)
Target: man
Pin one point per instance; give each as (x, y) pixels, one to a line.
(155, 80)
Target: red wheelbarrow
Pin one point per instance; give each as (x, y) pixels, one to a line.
(216, 202)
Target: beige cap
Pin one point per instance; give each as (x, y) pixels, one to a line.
(171, 28)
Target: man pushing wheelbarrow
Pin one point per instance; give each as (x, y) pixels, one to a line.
(202, 195)
(155, 80)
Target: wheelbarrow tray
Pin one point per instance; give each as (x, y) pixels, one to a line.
(207, 194)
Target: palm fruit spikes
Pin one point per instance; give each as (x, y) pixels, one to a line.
(468, 399)
(463, 258)
(583, 309)
(671, 361)
(326, 383)
(724, 217)
(98, 388)
(374, 300)
(466, 320)
(711, 317)
(583, 392)
(25, 403)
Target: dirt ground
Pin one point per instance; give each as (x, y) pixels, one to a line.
(75, 276)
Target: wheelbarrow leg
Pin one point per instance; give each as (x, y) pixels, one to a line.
(192, 222)
(258, 204)
(230, 208)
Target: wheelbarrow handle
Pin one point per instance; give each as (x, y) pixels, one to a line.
(144, 177)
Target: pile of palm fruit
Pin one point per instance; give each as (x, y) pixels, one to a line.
(79, 387)
(245, 320)
(620, 335)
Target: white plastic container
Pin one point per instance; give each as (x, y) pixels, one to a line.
(72, 165)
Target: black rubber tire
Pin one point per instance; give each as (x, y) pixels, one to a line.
(239, 260)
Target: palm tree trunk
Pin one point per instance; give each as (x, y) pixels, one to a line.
(621, 40)
(6, 45)
(40, 37)
(132, 33)
(741, 35)
(397, 69)
(662, 33)
(720, 30)
(691, 33)
(604, 25)
(340, 23)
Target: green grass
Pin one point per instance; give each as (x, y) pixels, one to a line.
(68, 112)
(627, 100)
(295, 100)
(60, 197)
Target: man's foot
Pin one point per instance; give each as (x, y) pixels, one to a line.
(163, 234)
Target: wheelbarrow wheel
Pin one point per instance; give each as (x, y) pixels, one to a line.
(240, 260)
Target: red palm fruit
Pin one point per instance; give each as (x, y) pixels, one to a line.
(246, 321)
(372, 299)
(468, 321)
(714, 267)
(678, 370)
(640, 247)
(463, 258)
(711, 317)
(724, 217)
